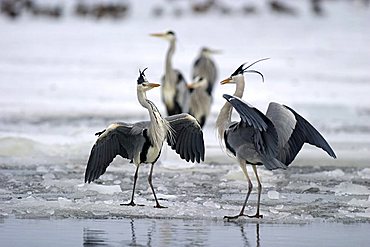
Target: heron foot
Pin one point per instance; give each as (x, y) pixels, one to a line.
(159, 206)
(132, 204)
(257, 215)
(233, 217)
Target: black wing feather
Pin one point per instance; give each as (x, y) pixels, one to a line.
(303, 132)
(116, 140)
(186, 133)
(248, 114)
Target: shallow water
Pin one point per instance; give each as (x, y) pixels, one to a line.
(170, 232)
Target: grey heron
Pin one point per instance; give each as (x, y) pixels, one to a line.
(200, 100)
(205, 67)
(272, 140)
(142, 142)
(175, 93)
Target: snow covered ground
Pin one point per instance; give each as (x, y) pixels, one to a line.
(63, 80)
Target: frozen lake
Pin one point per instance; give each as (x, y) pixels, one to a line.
(62, 81)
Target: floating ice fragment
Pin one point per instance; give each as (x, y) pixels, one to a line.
(359, 203)
(364, 173)
(102, 189)
(108, 202)
(100, 213)
(334, 173)
(273, 195)
(63, 202)
(347, 188)
(211, 204)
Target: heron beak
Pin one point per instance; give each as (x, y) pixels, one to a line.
(190, 86)
(214, 51)
(153, 85)
(159, 35)
(227, 80)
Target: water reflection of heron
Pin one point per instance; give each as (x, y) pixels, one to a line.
(93, 237)
(246, 241)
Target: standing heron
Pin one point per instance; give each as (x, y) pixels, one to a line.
(200, 100)
(205, 67)
(142, 142)
(272, 140)
(175, 93)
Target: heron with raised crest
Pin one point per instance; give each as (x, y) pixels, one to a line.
(272, 140)
(141, 142)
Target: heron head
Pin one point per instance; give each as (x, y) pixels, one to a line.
(143, 84)
(241, 70)
(198, 82)
(207, 51)
(169, 35)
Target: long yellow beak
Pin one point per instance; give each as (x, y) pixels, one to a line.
(153, 85)
(227, 80)
(159, 35)
(211, 51)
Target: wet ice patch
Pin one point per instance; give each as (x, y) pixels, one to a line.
(101, 189)
(273, 195)
(348, 188)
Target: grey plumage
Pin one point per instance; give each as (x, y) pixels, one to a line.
(205, 67)
(200, 100)
(175, 94)
(272, 140)
(142, 142)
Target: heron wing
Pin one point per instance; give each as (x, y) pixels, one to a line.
(118, 139)
(265, 138)
(249, 115)
(187, 137)
(293, 131)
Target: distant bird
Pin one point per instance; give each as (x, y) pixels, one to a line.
(200, 100)
(142, 142)
(175, 93)
(205, 67)
(280, 7)
(272, 140)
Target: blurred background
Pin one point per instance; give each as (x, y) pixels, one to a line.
(68, 68)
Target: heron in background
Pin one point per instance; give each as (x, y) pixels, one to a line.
(175, 93)
(272, 140)
(205, 67)
(142, 142)
(200, 100)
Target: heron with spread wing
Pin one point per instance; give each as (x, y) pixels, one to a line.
(272, 140)
(142, 142)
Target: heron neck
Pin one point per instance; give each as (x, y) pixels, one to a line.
(224, 117)
(158, 127)
(240, 85)
(169, 55)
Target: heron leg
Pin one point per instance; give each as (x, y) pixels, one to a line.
(132, 203)
(259, 188)
(151, 186)
(242, 164)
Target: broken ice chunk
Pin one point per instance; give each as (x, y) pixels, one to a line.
(273, 195)
(348, 188)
